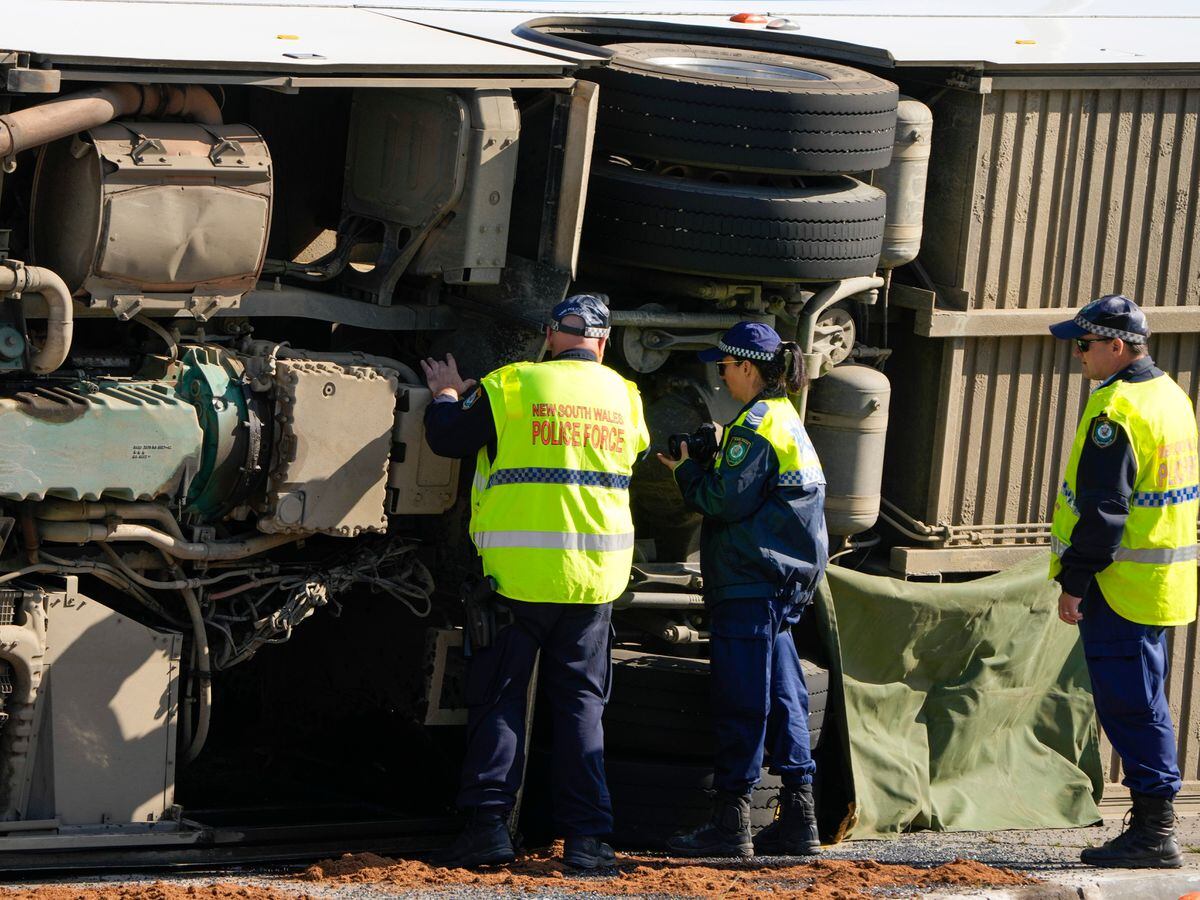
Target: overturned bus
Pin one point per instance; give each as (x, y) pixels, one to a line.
(229, 609)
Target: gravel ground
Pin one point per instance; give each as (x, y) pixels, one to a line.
(1050, 855)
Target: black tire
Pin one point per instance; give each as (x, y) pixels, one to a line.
(654, 800)
(762, 112)
(661, 706)
(816, 233)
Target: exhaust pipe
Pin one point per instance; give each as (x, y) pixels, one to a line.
(16, 277)
(90, 108)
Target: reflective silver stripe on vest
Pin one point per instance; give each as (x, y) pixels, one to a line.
(552, 540)
(1159, 556)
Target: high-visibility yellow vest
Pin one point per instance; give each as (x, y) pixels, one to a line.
(776, 420)
(550, 515)
(1152, 580)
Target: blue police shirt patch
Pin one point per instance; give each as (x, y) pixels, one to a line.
(470, 399)
(735, 453)
(1104, 432)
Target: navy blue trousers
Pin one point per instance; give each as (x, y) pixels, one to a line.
(760, 701)
(576, 674)
(1128, 666)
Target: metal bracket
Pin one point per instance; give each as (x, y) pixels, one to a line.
(146, 145)
(23, 80)
(17, 266)
(20, 77)
(126, 306)
(226, 146)
(967, 80)
(203, 306)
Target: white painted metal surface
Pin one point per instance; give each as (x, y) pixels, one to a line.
(293, 39)
(469, 35)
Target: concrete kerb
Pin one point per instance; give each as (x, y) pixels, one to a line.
(1125, 884)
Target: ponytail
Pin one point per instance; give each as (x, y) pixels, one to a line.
(784, 374)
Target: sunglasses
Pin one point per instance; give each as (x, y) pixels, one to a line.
(721, 365)
(1085, 345)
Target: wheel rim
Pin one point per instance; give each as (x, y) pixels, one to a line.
(737, 68)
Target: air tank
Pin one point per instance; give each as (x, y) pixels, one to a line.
(847, 421)
(904, 183)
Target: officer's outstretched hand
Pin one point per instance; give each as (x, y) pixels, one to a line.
(1068, 608)
(443, 377)
(673, 463)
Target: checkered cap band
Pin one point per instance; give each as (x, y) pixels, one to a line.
(1130, 337)
(1166, 498)
(745, 354)
(538, 475)
(588, 331)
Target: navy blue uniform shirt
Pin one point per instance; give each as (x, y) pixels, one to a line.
(1104, 483)
(758, 539)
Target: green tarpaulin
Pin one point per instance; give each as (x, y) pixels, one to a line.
(968, 706)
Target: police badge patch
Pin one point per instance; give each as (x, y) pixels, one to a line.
(1104, 432)
(735, 453)
(470, 399)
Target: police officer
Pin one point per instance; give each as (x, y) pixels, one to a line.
(555, 444)
(763, 549)
(1124, 541)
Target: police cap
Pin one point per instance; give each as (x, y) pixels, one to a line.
(1112, 316)
(745, 340)
(592, 308)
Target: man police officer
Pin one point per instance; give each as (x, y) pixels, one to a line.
(555, 444)
(1124, 541)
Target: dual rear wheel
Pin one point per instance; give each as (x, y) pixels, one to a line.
(735, 163)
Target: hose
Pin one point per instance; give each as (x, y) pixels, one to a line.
(16, 277)
(180, 583)
(203, 675)
(83, 532)
(172, 345)
(31, 570)
(115, 576)
(55, 510)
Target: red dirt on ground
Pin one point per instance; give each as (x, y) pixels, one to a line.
(832, 879)
(159, 890)
(822, 879)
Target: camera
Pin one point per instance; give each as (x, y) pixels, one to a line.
(702, 444)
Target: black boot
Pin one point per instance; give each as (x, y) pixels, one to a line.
(794, 831)
(588, 852)
(1148, 842)
(484, 842)
(726, 834)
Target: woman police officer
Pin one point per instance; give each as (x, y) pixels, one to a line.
(763, 548)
